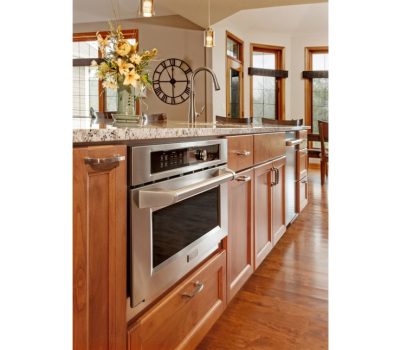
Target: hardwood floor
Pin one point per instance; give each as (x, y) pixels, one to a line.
(284, 304)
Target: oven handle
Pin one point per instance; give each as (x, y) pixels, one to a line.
(160, 198)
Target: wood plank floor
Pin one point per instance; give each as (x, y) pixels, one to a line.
(284, 304)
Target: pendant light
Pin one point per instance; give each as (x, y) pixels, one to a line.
(146, 8)
(209, 35)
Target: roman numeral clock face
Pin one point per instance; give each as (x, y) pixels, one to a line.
(171, 81)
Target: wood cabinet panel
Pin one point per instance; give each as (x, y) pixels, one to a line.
(301, 163)
(302, 134)
(180, 322)
(240, 263)
(301, 194)
(278, 201)
(268, 146)
(240, 152)
(99, 250)
(262, 212)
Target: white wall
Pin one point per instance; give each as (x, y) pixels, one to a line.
(186, 44)
(248, 26)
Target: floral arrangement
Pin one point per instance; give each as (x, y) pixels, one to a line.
(122, 65)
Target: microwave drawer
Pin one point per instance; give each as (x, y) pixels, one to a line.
(183, 317)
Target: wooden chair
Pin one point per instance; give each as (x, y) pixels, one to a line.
(323, 128)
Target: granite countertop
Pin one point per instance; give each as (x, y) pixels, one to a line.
(86, 130)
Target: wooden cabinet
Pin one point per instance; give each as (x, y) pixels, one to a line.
(262, 212)
(99, 248)
(278, 200)
(239, 243)
(240, 152)
(301, 173)
(182, 318)
(269, 146)
(301, 194)
(269, 207)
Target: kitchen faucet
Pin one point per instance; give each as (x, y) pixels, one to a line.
(192, 107)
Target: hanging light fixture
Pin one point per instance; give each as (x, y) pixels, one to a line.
(209, 35)
(146, 8)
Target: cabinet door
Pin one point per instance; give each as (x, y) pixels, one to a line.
(240, 232)
(262, 212)
(278, 201)
(184, 316)
(99, 249)
(301, 163)
(301, 194)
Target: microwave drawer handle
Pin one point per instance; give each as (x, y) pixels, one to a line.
(294, 142)
(160, 198)
(198, 287)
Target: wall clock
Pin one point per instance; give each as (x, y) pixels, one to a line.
(171, 81)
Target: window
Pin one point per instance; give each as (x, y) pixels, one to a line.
(316, 107)
(234, 76)
(267, 92)
(87, 89)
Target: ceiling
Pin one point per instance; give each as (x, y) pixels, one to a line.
(85, 11)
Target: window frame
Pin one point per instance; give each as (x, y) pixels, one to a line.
(308, 90)
(280, 87)
(237, 64)
(86, 62)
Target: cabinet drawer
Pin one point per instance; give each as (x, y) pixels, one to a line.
(301, 163)
(302, 135)
(185, 315)
(268, 146)
(301, 194)
(240, 152)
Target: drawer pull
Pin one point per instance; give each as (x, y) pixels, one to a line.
(197, 289)
(243, 178)
(304, 181)
(243, 153)
(104, 162)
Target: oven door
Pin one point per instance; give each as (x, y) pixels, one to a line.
(175, 224)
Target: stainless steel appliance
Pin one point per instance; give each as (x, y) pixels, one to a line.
(178, 212)
(290, 176)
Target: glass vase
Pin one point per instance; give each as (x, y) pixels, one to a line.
(126, 100)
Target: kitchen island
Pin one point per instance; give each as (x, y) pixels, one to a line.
(182, 315)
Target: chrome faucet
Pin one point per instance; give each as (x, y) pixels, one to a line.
(192, 106)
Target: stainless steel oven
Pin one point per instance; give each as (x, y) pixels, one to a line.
(178, 212)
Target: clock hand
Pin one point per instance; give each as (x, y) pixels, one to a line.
(173, 90)
(168, 73)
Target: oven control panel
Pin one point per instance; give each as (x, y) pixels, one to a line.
(182, 157)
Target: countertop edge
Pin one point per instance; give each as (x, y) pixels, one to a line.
(120, 135)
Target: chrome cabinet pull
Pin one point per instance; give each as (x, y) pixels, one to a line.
(304, 181)
(243, 178)
(104, 163)
(294, 142)
(243, 153)
(277, 176)
(198, 287)
(273, 183)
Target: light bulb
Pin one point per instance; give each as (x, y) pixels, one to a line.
(146, 8)
(209, 40)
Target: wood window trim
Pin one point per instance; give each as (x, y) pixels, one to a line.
(90, 36)
(237, 64)
(279, 52)
(308, 52)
